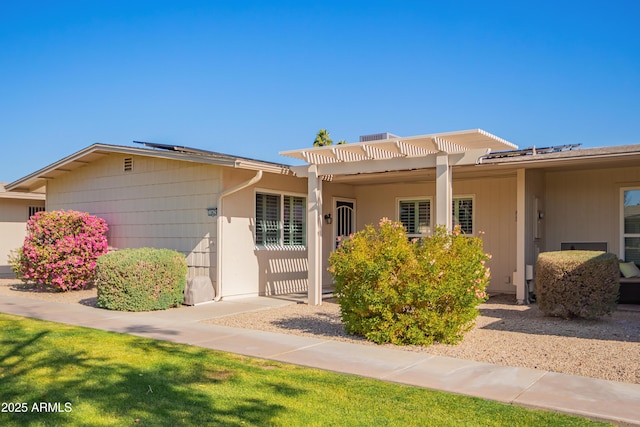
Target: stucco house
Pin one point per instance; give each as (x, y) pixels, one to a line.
(260, 228)
(16, 208)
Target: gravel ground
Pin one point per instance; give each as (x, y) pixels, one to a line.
(505, 334)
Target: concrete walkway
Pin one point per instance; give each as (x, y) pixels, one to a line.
(593, 398)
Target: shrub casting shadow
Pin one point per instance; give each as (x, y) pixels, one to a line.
(318, 324)
(621, 326)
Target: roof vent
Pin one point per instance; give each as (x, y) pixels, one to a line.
(128, 164)
(377, 137)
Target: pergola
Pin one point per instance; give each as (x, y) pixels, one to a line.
(441, 151)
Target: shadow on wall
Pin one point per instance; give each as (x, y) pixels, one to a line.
(282, 271)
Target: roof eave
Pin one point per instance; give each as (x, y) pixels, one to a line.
(584, 155)
(39, 178)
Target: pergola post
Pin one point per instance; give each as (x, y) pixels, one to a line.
(444, 194)
(314, 236)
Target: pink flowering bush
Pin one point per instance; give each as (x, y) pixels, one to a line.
(391, 289)
(61, 249)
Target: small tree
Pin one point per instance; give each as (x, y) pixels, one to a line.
(322, 139)
(61, 249)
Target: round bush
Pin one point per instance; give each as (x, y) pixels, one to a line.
(394, 290)
(582, 284)
(61, 249)
(141, 279)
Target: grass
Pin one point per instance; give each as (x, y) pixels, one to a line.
(115, 379)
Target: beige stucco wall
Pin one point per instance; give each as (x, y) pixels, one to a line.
(14, 214)
(494, 214)
(584, 205)
(534, 203)
(495, 208)
(249, 269)
(161, 203)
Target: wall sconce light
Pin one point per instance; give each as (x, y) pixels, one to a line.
(328, 219)
(212, 211)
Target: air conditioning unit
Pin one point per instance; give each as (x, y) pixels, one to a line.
(377, 137)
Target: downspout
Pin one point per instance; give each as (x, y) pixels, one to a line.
(220, 217)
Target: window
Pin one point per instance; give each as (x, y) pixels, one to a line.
(281, 220)
(415, 215)
(34, 210)
(463, 213)
(631, 225)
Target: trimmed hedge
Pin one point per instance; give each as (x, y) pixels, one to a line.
(141, 279)
(582, 284)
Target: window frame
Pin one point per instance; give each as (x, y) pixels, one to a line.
(624, 235)
(416, 200)
(282, 195)
(471, 197)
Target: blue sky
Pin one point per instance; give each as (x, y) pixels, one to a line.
(253, 78)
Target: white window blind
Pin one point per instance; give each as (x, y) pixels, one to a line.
(280, 220)
(415, 215)
(463, 213)
(267, 219)
(294, 221)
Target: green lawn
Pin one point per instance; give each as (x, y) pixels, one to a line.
(105, 379)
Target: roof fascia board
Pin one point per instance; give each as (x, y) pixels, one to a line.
(265, 167)
(23, 196)
(35, 175)
(31, 179)
(470, 157)
(545, 159)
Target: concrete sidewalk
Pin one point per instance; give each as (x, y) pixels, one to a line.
(593, 398)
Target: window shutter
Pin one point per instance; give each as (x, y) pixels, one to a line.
(267, 219)
(415, 215)
(424, 216)
(463, 214)
(407, 216)
(294, 221)
(34, 210)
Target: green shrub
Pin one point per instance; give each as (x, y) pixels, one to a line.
(141, 279)
(581, 284)
(416, 292)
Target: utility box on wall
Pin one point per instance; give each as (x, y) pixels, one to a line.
(199, 290)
